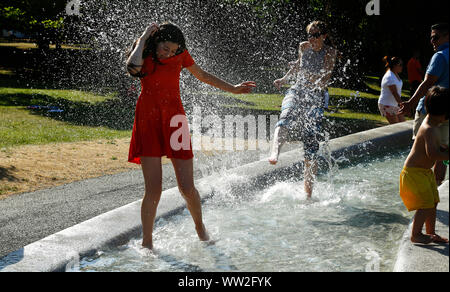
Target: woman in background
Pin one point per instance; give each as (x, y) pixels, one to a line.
(391, 90)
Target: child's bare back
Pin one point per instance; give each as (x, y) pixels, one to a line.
(426, 149)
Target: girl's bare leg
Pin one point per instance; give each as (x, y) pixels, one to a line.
(152, 170)
(309, 175)
(184, 171)
(279, 138)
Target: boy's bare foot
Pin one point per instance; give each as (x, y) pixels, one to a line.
(438, 239)
(422, 238)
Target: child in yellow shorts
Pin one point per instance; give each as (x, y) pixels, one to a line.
(418, 188)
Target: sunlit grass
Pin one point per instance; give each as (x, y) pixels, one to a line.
(349, 114)
(30, 45)
(34, 95)
(257, 101)
(19, 126)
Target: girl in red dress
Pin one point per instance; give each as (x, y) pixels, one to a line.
(157, 58)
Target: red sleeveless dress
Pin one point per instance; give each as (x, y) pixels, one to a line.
(158, 105)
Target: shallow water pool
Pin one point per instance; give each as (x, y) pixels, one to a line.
(353, 223)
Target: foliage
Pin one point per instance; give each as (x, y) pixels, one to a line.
(39, 19)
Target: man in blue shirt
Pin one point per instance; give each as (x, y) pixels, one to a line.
(437, 74)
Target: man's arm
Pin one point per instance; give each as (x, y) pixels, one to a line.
(408, 107)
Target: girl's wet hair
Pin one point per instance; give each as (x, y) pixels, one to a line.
(391, 61)
(320, 25)
(167, 32)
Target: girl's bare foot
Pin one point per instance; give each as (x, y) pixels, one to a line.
(279, 139)
(273, 160)
(202, 233)
(422, 238)
(148, 245)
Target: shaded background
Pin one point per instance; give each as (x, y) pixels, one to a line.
(237, 40)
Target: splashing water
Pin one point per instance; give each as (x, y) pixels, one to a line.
(353, 223)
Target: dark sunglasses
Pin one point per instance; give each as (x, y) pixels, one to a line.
(314, 35)
(435, 38)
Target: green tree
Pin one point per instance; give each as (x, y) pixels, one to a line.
(43, 19)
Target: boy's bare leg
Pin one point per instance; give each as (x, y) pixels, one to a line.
(152, 170)
(184, 171)
(430, 224)
(419, 219)
(309, 175)
(279, 138)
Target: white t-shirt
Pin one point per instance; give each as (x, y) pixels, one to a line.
(386, 97)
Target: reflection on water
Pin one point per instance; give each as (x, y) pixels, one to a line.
(353, 223)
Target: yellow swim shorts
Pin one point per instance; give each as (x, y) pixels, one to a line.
(418, 188)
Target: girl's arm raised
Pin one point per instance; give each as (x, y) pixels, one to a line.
(135, 61)
(203, 76)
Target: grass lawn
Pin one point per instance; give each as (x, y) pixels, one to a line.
(27, 46)
(88, 116)
(272, 102)
(20, 125)
(350, 110)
